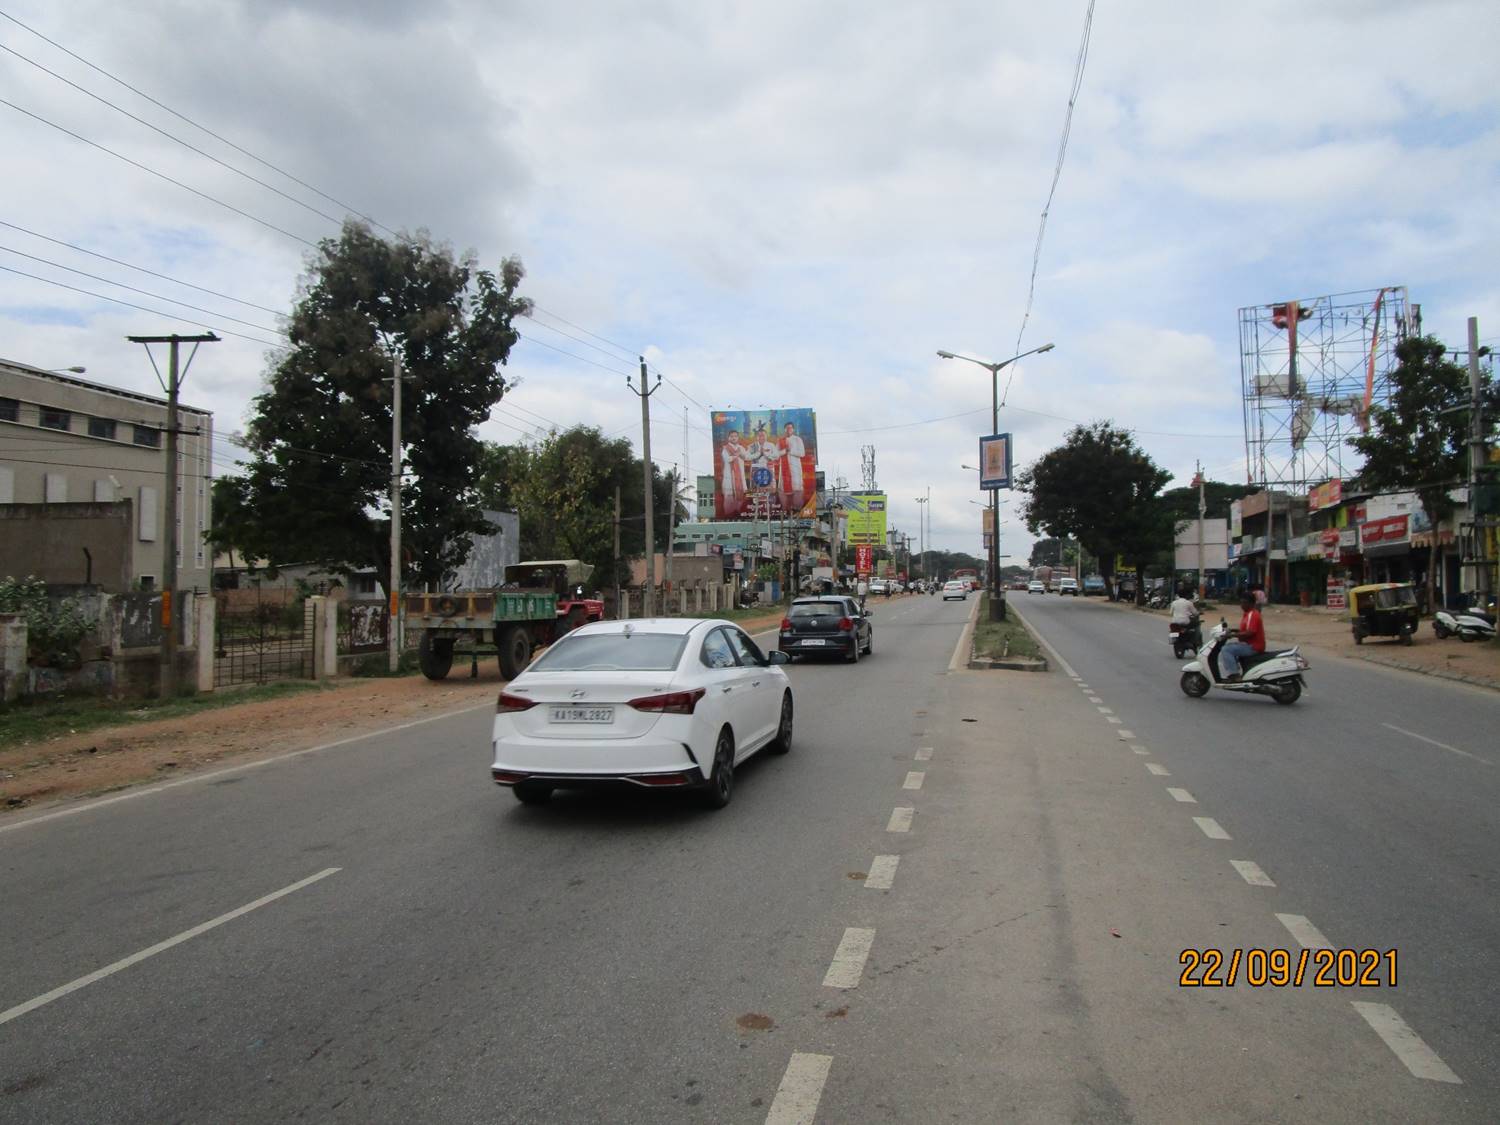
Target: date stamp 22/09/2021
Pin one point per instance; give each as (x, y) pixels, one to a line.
(1280, 968)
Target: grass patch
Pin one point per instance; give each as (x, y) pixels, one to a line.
(1000, 639)
(24, 723)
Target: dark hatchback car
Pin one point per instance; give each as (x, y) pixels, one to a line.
(830, 626)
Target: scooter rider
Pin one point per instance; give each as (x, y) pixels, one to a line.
(1250, 639)
(1183, 609)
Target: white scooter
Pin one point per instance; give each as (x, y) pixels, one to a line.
(1277, 674)
(1465, 624)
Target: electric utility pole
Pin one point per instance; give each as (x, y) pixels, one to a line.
(1477, 467)
(1202, 509)
(617, 552)
(644, 393)
(168, 681)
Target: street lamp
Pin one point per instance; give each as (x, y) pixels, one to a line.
(997, 604)
(923, 520)
(74, 370)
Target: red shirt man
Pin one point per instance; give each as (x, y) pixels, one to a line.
(1252, 631)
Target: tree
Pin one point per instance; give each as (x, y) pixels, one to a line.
(316, 488)
(1415, 443)
(563, 489)
(1102, 489)
(1047, 552)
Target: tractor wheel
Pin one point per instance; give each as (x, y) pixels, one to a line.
(514, 646)
(435, 655)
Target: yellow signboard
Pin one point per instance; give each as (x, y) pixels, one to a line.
(866, 511)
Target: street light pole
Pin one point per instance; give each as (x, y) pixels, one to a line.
(997, 596)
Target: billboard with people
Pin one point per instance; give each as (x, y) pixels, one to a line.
(765, 463)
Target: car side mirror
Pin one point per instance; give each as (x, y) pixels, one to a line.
(776, 656)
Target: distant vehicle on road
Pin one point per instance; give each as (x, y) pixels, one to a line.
(659, 704)
(1036, 586)
(1093, 586)
(879, 586)
(1067, 586)
(955, 589)
(832, 626)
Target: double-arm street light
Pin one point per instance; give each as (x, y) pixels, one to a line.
(997, 596)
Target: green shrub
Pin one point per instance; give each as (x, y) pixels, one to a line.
(54, 629)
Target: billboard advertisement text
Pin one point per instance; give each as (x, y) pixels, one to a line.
(765, 463)
(866, 518)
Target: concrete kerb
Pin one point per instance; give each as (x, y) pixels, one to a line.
(1006, 664)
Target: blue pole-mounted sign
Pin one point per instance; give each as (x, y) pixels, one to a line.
(994, 462)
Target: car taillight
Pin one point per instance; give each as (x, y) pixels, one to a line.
(846, 624)
(786, 624)
(508, 703)
(672, 703)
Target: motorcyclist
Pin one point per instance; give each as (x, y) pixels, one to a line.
(1249, 639)
(1184, 616)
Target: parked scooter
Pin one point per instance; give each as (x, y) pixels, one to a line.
(1277, 674)
(1186, 638)
(1465, 624)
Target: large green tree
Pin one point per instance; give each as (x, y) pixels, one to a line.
(1047, 552)
(1102, 489)
(563, 489)
(319, 436)
(1417, 442)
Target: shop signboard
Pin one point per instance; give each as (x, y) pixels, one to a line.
(1337, 594)
(866, 518)
(1326, 495)
(1391, 531)
(765, 463)
(864, 560)
(1236, 519)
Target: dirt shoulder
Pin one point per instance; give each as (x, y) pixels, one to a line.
(142, 749)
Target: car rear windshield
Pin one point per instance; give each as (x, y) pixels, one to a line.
(818, 609)
(614, 652)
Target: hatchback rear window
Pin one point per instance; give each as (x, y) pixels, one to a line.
(818, 609)
(614, 652)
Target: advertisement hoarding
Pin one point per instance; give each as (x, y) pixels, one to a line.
(866, 518)
(864, 560)
(765, 463)
(1325, 495)
(994, 462)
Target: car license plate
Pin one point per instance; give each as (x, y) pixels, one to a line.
(813, 641)
(582, 715)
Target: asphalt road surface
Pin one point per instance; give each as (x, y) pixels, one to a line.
(962, 897)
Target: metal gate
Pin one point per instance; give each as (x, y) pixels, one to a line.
(263, 642)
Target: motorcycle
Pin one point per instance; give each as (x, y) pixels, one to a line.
(1186, 638)
(1465, 624)
(1277, 674)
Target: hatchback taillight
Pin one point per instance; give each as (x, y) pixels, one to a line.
(508, 703)
(672, 703)
(786, 624)
(846, 624)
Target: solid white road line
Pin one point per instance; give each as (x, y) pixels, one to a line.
(199, 778)
(1408, 1046)
(1159, 771)
(1182, 795)
(924, 754)
(160, 947)
(960, 658)
(1061, 663)
(1308, 936)
(1211, 828)
(900, 820)
(882, 872)
(796, 1101)
(913, 780)
(1127, 735)
(849, 959)
(1251, 873)
(1434, 742)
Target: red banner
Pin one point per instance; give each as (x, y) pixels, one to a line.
(864, 559)
(1392, 529)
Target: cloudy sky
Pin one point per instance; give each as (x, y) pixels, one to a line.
(778, 203)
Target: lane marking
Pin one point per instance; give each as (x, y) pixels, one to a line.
(1251, 873)
(913, 780)
(849, 959)
(796, 1101)
(1182, 795)
(900, 820)
(1158, 770)
(1127, 735)
(1111, 719)
(882, 872)
(1434, 742)
(1105, 710)
(1140, 750)
(1308, 936)
(1406, 1044)
(960, 658)
(1046, 644)
(160, 947)
(1095, 699)
(1211, 828)
(924, 754)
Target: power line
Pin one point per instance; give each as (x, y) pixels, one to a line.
(572, 355)
(1062, 150)
(626, 353)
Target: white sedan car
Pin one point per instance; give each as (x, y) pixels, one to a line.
(1036, 588)
(955, 590)
(656, 703)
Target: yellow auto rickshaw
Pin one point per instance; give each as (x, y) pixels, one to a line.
(1384, 609)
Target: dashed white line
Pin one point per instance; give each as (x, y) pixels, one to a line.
(1140, 750)
(160, 947)
(1211, 828)
(1407, 1045)
(900, 819)
(1251, 873)
(1158, 770)
(1126, 735)
(924, 754)
(1095, 699)
(1110, 719)
(1182, 795)
(849, 959)
(882, 872)
(1434, 742)
(913, 780)
(1308, 936)
(796, 1101)
(1105, 710)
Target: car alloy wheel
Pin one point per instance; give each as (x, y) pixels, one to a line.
(783, 741)
(720, 789)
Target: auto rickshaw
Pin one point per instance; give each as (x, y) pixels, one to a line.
(1385, 609)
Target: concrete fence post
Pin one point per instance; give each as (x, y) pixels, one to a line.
(318, 604)
(623, 609)
(204, 615)
(328, 632)
(12, 657)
